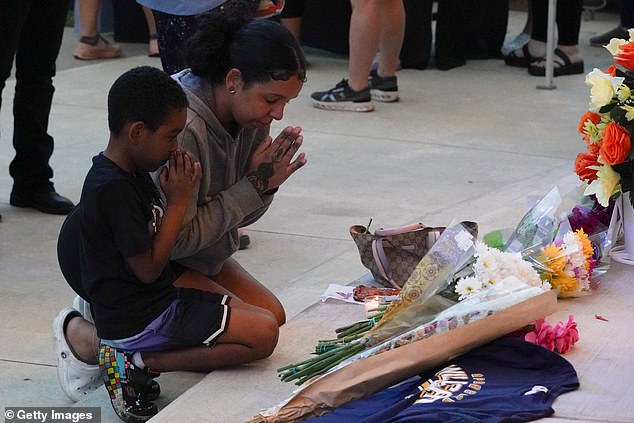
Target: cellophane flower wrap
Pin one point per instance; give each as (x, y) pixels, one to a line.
(417, 304)
(607, 165)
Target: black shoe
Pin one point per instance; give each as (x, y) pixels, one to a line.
(604, 39)
(383, 89)
(245, 241)
(130, 388)
(342, 97)
(46, 201)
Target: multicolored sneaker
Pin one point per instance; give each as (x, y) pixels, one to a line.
(383, 89)
(343, 98)
(127, 385)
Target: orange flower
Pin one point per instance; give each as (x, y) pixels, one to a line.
(615, 145)
(591, 116)
(593, 148)
(611, 70)
(625, 56)
(582, 162)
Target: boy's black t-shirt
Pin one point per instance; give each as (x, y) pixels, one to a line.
(118, 214)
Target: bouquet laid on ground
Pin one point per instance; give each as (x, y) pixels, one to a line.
(499, 279)
(414, 306)
(607, 166)
(543, 249)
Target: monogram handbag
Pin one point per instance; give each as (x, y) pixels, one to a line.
(392, 254)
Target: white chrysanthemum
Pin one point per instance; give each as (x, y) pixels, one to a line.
(631, 33)
(481, 249)
(490, 278)
(528, 274)
(468, 286)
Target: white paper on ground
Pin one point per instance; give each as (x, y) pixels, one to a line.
(340, 292)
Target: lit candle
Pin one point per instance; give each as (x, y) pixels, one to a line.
(370, 304)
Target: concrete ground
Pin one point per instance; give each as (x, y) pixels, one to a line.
(470, 144)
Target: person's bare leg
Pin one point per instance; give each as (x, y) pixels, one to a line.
(364, 41)
(242, 284)
(88, 13)
(91, 44)
(392, 34)
(252, 335)
(82, 339)
(153, 48)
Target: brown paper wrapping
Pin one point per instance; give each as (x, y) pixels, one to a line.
(372, 374)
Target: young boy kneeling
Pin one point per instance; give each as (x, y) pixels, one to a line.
(125, 235)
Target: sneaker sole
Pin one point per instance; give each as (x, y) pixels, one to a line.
(344, 106)
(384, 96)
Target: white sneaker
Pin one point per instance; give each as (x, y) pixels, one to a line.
(77, 378)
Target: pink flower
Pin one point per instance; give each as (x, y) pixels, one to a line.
(543, 335)
(566, 335)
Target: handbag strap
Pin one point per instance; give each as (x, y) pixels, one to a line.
(382, 264)
(399, 230)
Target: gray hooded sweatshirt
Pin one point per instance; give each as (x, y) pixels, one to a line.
(226, 200)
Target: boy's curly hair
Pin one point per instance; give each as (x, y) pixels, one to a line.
(144, 94)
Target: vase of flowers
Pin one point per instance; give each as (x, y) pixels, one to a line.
(607, 165)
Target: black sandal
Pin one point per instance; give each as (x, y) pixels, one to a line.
(519, 61)
(559, 69)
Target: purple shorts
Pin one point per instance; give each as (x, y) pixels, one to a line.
(194, 318)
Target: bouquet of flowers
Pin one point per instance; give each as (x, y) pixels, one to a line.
(607, 167)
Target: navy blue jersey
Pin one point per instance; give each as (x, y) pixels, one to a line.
(508, 380)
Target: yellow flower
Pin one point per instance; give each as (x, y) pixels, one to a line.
(605, 185)
(552, 257)
(604, 87)
(624, 93)
(564, 282)
(586, 246)
(629, 115)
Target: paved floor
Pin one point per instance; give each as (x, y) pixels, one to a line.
(469, 144)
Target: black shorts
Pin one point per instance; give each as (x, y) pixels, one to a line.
(194, 318)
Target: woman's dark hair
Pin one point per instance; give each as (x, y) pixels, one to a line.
(143, 94)
(261, 49)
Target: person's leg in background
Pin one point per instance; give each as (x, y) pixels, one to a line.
(39, 43)
(374, 25)
(523, 37)
(568, 59)
(92, 45)
(391, 38)
(153, 49)
(626, 22)
(13, 13)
